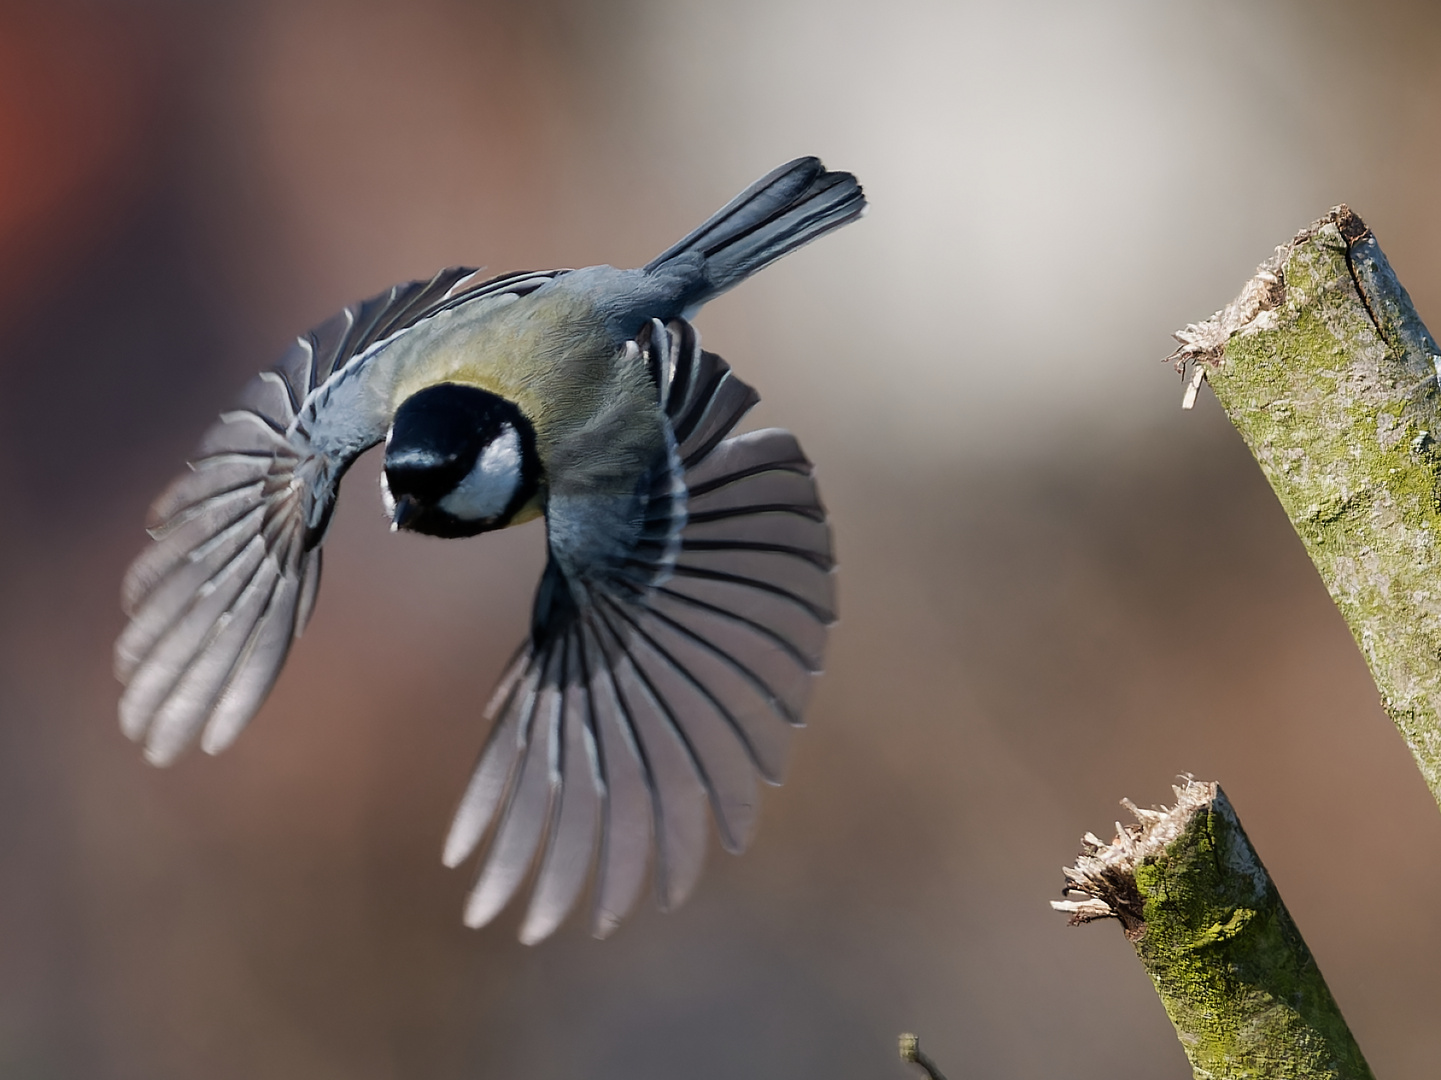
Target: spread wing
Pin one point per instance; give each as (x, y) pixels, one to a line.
(232, 575)
(663, 679)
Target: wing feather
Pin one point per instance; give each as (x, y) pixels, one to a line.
(209, 482)
(713, 740)
(784, 623)
(781, 573)
(192, 699)
(174, 645)
(256, 670)
(309, 589)
(678, 799)
(761, 717)
(491, 778)
(777, 489)
(777, 532)
(525, 813)
(575, 818)
(628, 824)
(185, 582)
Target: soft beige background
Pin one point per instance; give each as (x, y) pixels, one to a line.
(1057, 588)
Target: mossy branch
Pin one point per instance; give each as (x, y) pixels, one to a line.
(1325, 369)
(1232, 970)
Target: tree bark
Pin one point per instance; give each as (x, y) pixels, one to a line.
(1325, 369)
(1232, 970)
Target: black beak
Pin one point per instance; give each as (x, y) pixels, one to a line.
(406, 508)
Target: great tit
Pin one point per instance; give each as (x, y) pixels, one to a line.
(683, 611)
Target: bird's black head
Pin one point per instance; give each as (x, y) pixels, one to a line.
(459, 460)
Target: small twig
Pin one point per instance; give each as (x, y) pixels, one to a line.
(911, 1051)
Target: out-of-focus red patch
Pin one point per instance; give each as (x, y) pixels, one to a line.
(77, 102)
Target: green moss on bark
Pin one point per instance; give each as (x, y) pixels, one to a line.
(1332, 381)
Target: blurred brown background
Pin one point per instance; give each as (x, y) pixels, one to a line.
(1057, 587)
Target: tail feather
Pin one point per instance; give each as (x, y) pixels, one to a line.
(780, 212)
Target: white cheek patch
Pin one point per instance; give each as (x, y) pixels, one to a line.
(488, 488)
(386, 498)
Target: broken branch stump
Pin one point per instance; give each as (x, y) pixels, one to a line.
(1325, 369)
(1233, 972)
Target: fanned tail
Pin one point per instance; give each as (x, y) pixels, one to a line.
(780, 212)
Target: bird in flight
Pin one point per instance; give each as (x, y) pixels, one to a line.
(682, 614)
